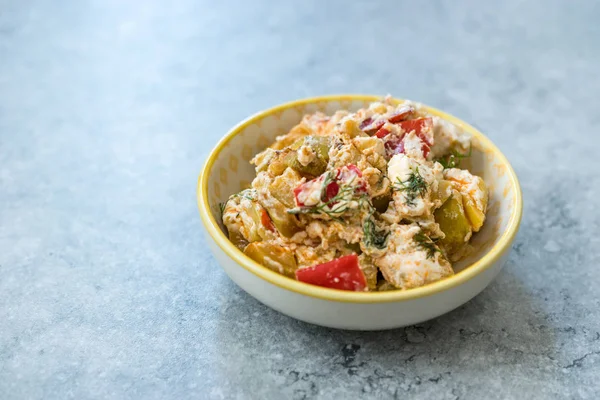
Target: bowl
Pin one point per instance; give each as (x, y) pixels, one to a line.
(227, 171)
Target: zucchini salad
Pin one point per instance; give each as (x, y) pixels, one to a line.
(367, 201)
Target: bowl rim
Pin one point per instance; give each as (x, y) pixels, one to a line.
(468, 273)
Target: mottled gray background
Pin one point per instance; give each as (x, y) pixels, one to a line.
(107, 111)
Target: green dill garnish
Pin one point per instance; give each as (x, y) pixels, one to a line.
(338, 204)
(413, 187)
(453, 160)
(222, 208)
(371, 237)
(426, 244)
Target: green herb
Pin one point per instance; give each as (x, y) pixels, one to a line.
(413, 187)
(453, 160)
(222, 208)
(426, 244)
(371, 237)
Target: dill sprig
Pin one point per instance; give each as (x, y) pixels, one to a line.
(371, 237)
(338, 204)
(413, 187)
(426, 244)
(453, 160)
(222, 208)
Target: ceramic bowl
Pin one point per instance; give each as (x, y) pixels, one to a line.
(227, 171)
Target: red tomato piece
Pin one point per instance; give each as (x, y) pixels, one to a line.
(401, 114)
(365, 123)
(373, 127)
(354, 169)
(331, 191)
(347, 173)
(351, 173)
(266, 221)
(297, 191)
(343, 273)
(382, 132)
(418, 125)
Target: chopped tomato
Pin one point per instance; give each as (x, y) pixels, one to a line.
(297, 191)
(366, 122)
(401, 115)
(423, 129)
(420, 126)
(355, 169)
(343, 273)
(372, 127)
(381, 133)
(331, 191)
(350, 173)
(266, 221)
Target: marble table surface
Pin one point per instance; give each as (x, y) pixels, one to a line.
(108, 109)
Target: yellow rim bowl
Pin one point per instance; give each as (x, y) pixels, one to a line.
(485, 262)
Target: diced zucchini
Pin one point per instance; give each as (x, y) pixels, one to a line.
(319, 145)
(282, 187)
(273, 257)
(454, 223)
(286, 223)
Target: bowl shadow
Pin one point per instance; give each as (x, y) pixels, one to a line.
(261, 351)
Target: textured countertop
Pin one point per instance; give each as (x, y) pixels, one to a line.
(107, 111)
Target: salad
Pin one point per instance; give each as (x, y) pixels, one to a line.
(367, 201)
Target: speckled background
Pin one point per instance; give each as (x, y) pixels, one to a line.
(107, 111)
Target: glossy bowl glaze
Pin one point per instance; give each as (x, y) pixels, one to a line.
(227, 171)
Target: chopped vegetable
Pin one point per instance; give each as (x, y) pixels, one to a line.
(401, 114)
(382, 132)
(420, 126)
(282, 187)
(266, 220)
(343, 273)
(332, 194)
(371, 127)
(285, 223)
(453, 222)
(272, 256)
(318, 146)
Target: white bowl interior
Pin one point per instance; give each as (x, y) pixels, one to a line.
(232, 172)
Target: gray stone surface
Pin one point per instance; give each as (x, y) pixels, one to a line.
(107, 110)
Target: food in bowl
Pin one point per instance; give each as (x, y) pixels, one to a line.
(373, 200)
